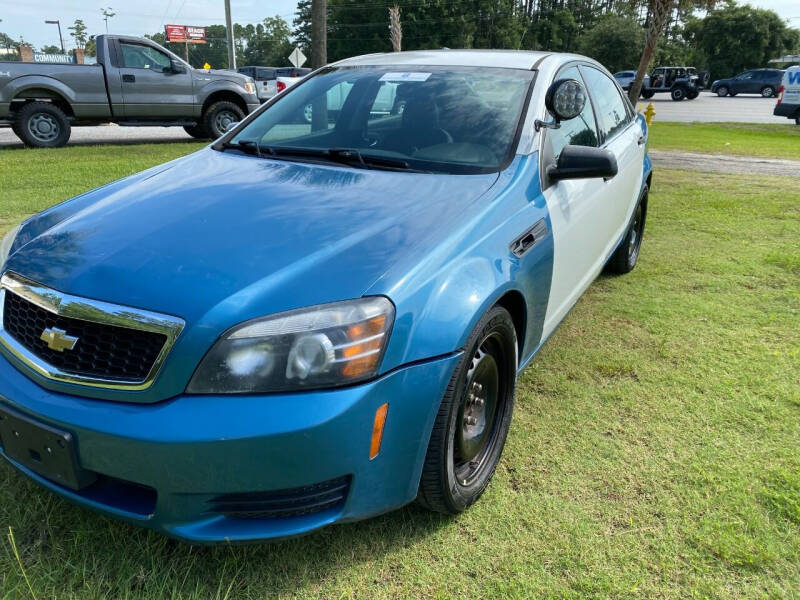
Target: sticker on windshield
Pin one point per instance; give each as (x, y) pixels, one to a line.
(405, 76)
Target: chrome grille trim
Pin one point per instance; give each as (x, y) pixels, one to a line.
(85, 309)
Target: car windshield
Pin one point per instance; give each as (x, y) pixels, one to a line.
(437, 119)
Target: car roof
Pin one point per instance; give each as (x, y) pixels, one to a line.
(509, 59)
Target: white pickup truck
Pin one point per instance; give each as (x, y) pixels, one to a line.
(272, 80)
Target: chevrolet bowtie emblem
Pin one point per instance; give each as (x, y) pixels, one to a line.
(58, 340)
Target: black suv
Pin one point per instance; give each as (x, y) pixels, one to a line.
(757, 81)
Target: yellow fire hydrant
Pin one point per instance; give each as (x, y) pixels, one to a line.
(649, 113)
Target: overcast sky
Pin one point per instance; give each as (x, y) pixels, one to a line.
(136, 17)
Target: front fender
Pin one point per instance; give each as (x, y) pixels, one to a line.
(221, 86)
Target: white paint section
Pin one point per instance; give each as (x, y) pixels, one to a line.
(588, 217)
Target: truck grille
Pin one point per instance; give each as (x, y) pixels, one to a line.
(292, 502)
(102, 351)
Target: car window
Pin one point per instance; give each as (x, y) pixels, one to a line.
(136, 56)
(612, 114)
(442, 119)
(580, 131)
(747, 75)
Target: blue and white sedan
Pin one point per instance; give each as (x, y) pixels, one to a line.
(317, 320)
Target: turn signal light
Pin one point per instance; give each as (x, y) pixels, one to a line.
(377, 430)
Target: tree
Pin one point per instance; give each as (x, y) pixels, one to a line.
(736, 38)
(51, 49)
(615, 41)
(78, 30)
(658, 12)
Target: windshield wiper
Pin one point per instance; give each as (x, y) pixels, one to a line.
(344, 156)
(246, 146)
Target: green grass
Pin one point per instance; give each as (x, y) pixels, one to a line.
(767, 141)
(653, 452)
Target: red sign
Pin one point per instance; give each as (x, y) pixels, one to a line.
(186, 33)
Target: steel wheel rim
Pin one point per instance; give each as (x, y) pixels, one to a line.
(480, 414)
(308, 112)
(43, 127)
(635, 236)
(223, 119)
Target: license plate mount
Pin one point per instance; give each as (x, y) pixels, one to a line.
(45, 450)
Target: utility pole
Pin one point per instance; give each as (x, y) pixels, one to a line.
(58, 22)
(395, 29)
(229, 30)
(107, 14)
(319, 33)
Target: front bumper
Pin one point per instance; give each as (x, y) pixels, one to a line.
(790, 111)
(164, 466)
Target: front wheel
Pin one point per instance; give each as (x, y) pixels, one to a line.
(678, 94)
(692, 95)
(473, 419)
(627, 253)
(647, 95)
(219, 116)
(196, 131)
(722, 91)
(42, 125)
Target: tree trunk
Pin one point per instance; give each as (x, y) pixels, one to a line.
(319, 33)
(658, 12)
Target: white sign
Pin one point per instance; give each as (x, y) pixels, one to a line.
(297, 58)
(406, 76)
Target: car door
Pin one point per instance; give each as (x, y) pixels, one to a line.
(743, 84)
(589, 216)
(151, 90)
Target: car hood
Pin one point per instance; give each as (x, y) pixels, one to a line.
(217, 238)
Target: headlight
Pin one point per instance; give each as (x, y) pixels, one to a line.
(322, 346)
(6, 243)
(249, 87)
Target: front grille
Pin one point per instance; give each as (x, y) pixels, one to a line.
(293, 502)
(101, 352)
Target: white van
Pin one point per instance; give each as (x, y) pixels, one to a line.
(789, 95)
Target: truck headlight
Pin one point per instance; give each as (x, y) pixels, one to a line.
(6, 243)
(322, 346)
(249, 87)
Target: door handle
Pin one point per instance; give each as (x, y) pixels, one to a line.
(129, 79)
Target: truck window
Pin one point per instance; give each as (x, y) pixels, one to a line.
(137, 56)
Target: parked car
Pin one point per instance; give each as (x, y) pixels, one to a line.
(757, 81)
(625, 79)
(135, 82)
(309, 324)
(681, 83)
(788, 104)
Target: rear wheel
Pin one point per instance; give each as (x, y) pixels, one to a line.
(627, 254)
(196, 131)
(219, 116)
(42, 125)
(692, 95)
(678, 94)
(647, 95)
(473, 419)
(767, 91)
(722, 91)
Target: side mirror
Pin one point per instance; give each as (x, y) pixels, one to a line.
(176, 68)
(565, 99)
(231, 126)
(583, 162)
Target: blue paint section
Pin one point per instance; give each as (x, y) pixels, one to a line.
(441, 297)
(192, 448)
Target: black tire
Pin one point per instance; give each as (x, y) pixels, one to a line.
(627, 254)
(692, 95)
(722, 91)
(768, 91)
(678, 94)
(647, 95)
(473, 419)
(797, 120)
(733, 94)
(196, 131)
(218, 115)
(42, 125)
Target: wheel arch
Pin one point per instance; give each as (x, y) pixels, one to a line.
(224, 95)
(43, 91)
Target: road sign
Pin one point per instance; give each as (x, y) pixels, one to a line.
(297, 58)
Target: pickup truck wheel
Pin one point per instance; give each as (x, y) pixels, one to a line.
(625, 256)
(474, 417)
(678, 94)
(42, 125)
(219, 115)
(196, 131)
